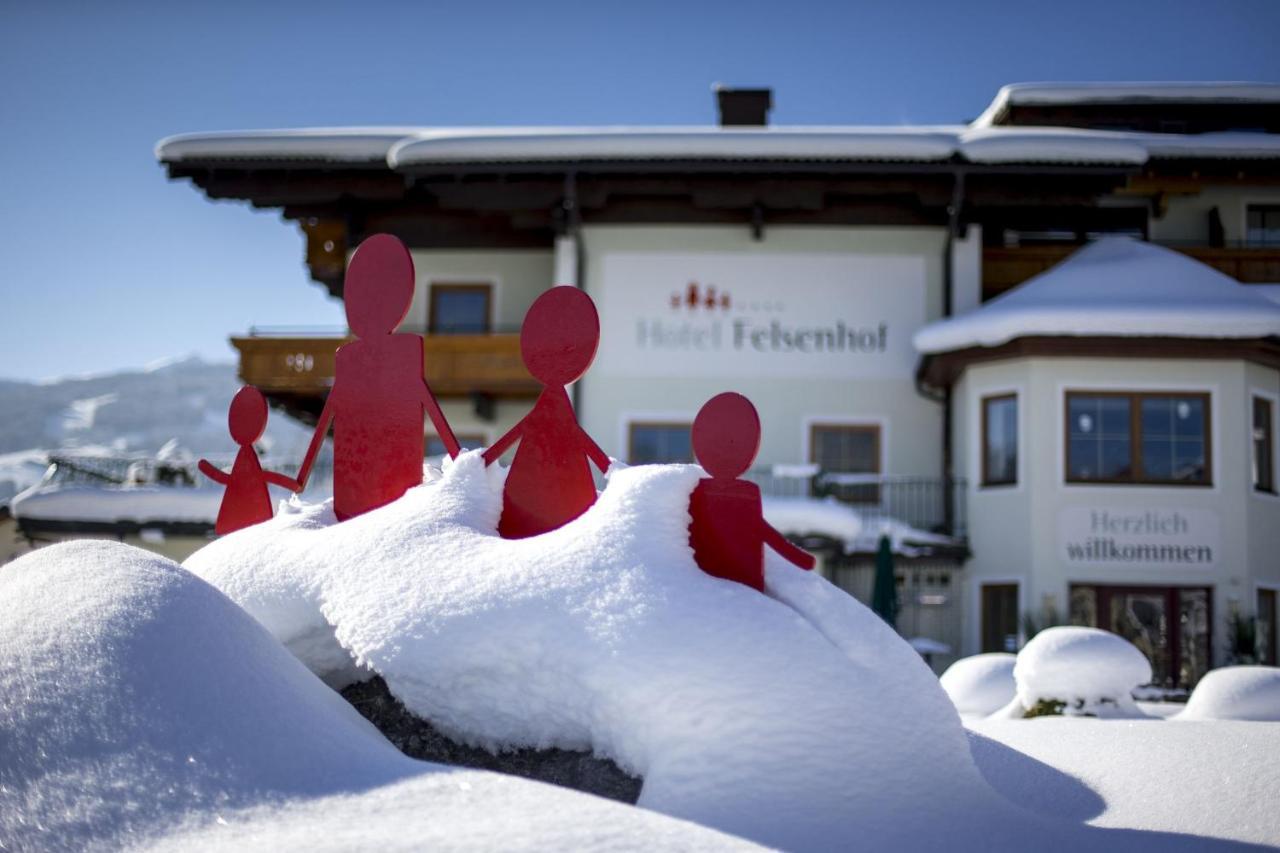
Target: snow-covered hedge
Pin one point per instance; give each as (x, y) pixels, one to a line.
(1078, 671)
(1236, 693)
(980, 684)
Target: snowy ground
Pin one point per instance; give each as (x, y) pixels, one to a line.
(139, 704)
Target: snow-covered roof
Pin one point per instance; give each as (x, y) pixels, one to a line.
(1115, 287)
(404, 149)
(1055, 94)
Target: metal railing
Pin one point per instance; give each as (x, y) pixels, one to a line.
(930, 504)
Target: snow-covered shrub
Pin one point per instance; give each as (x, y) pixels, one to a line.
(980, 684)
(1078, 672)
(1236, 693)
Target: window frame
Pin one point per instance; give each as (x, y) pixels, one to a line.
(436, 288)
(1138, 477)
(659, 424)
(984, 422)
(869, 495)
(1263, 478)
(1263, 207)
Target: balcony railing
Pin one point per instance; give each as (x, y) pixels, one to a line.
(1006, 267)
(454, 365)
(929, 504)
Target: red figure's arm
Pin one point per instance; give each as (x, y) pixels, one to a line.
(212, 473)
(597, 455)
(790, 553)
(443, 429)
(322, 427)
(281, 480)
(500, 446)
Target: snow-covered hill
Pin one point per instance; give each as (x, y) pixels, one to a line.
(132, 411)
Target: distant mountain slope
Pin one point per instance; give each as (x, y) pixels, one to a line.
(135, 411)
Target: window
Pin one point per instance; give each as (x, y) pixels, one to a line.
(459, 309)
(435, 447)
(1266, 623)
(1000, 440)
(1263, 224)
(999, 617)
(1138, 438)
(649, 443)
(845, 449)
(1264, 442)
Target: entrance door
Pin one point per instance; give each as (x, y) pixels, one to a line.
(999, 617)
(1170, 625)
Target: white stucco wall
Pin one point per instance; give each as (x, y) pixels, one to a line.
(1187, 217)
(1016, 531)
(611, 397)
(516, 275)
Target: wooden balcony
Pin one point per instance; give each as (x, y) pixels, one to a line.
(297, 372)
(1003, 268)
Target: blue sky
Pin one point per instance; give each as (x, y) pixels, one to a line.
(109, 265)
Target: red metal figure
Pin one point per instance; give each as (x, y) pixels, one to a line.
(550, 481)
(246, 500)
(729, 532)
(378, 390)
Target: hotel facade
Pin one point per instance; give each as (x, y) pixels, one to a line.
(1039, 350)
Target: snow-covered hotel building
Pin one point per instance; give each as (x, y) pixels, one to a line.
(1060, 426)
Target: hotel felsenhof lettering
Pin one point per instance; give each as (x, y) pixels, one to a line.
(799, 316)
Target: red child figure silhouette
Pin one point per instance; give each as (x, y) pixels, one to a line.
(246, 500)
(729, 532)
(378, 391)
(550, 481)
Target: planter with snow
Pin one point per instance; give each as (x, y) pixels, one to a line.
(980, 684)
(1236, 693)
(1073, 671)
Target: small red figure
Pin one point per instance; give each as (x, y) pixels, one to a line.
(246, 500)
(378, 390)
(550, 481)
(729, 532)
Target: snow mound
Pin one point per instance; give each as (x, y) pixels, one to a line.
(136, 701)
(769, 716)
(980, 684)
(1236, 693)
(1093, 672)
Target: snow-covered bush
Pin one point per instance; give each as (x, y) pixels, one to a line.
(1236, 693)
(1078, 672)
(980, 684)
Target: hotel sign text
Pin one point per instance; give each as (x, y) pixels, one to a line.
(1135, 537)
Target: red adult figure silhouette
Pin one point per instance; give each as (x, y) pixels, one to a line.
(729, 532)
(378, 391)
(246, 500)
(550, 481)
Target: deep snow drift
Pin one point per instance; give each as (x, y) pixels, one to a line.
(798, 718)
(139, 706)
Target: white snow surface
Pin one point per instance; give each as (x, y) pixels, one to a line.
(140, 707)
(1236, 693)
(1203, 780)
(1114, 287)
(821, 516)
(980, 684)
(1092, 670)
(796, 719)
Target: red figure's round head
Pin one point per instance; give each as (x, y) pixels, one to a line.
(560, 335)
(726, 435)
(378, 287)
(247, 417)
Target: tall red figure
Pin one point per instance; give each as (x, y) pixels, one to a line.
(246, 500)
(550, 481)
(729, 532)
(378, 392)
